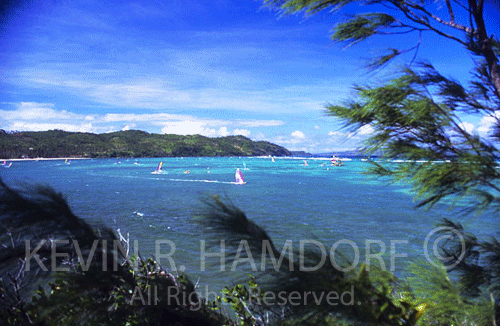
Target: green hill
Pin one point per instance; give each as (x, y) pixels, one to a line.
(130, 143)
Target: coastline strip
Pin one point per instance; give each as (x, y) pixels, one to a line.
(44, 159)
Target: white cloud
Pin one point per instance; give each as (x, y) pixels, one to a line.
(294, 141)
(128, 127)
(486, 123)
(223, 132)
(200, 128)
(259, 123)
(360, 134)
(467, 126)
(187, 128)
(197, 88)
(122, 117)
(261, 136)
(31, 116)
(242, 132)
(27, 126)
(37, 111)
(160, 118)
(298, 134)
(365, 130)
(148, 94)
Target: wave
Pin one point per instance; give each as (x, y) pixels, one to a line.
(206, 181)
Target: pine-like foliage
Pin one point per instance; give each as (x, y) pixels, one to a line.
(446, 303)
(461, 22)
(477, 262)
(87, 277)
(416, 117)
(308, 273)
(464, 289)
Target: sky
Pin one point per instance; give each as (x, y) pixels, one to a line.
(209, 67)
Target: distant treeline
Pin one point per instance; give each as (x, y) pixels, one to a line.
(130, 143)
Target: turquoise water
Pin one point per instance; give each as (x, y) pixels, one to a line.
(291, 201)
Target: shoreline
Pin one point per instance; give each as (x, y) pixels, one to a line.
(312, 158)
(44, 159)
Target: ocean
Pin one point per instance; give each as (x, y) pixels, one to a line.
(337, 207)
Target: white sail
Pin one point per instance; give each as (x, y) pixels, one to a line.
(238, 176)
(158, 168)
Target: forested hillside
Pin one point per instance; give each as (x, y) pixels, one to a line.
(131, 143)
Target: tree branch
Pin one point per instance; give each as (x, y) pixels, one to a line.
(486, 48)
(461, 4)
(450, 11)
(440, 20)
(410, 15)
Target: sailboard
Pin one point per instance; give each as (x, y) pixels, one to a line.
(238, 176)
(158, 168)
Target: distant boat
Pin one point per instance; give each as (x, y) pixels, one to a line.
(305, 163)
(66, 161)
(158, 168)
(272, 158)
(238, 177)
(336, 161)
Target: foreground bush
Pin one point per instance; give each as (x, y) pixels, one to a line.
(87, 287)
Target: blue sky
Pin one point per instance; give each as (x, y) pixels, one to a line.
(214, 68)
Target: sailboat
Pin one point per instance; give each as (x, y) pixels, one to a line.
(336, 161)
(158, 168)
(238, 177)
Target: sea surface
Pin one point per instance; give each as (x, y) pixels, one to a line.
(339, 207)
